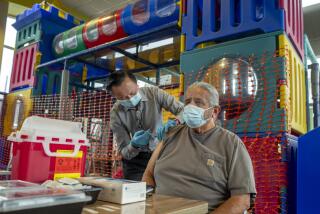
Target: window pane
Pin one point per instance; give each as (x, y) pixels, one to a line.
(140, 12)
(10, 35)
(6, 67)
(92, 32)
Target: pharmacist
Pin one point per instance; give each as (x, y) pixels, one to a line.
(136, 120)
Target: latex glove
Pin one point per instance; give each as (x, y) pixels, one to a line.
(141, 138)
(161, 131)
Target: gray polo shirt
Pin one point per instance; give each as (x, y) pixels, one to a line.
(125, 122)
(211, 167)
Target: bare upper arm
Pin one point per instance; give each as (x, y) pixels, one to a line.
(148, 175)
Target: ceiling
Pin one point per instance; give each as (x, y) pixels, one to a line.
(95, 8)
(312, 27)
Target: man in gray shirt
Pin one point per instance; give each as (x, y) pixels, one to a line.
(202, 161)
(135, 118)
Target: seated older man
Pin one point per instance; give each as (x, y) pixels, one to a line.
(202, 161)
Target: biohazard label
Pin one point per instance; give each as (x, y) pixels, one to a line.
(68, 166)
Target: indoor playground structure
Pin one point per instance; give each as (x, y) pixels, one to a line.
(254, 52)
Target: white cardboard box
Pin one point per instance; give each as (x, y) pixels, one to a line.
(118, 190)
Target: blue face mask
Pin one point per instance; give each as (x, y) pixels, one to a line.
(132, 102)
(194, 116)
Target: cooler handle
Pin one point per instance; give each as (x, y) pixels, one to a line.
(46, 147)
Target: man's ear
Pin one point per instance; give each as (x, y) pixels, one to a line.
(208, 113)
(212, 112)
(215, 112)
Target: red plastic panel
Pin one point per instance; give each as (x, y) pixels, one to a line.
(23, 67)
(269, 170)
(294, 23)
(30, 163)
(104, 29)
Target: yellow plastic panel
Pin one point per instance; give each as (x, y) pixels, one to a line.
(62, 14)
(181, 87)
(297, 118)
(160, 55)
(180, 5)
(26, 103)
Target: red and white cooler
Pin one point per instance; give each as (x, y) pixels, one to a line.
(48, 149)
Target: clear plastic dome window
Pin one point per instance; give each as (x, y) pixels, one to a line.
(92, 32)
(236, 82)
(58, 44)
(109, 25)
(71, 41)
(140, 12)
(165, 8)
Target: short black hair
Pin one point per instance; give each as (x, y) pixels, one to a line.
(116, 78)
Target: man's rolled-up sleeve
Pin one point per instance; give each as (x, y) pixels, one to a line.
(168, 102)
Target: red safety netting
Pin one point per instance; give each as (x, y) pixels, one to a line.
(92, 109)
(271, 157)
(258, 93)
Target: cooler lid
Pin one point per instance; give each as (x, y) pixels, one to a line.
(14, 184)
(23, 199)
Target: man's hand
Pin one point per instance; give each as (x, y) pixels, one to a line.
(237, 204)
(141, 138)
(161, 131)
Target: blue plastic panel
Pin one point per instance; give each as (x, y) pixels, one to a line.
(221, 20)
(48, 81)
(309, 173)
(46, 31)
(36, 12)
(147, 14)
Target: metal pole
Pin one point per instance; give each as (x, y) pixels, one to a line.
(309, 54)
(309, 50)
(6, 85)
(158, 76)
(64, 91)
(315, 93)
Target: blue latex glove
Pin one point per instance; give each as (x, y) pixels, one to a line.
(161, 131)
(141, 138)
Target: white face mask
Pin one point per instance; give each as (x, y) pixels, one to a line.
(132, 102)
(194, 116)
